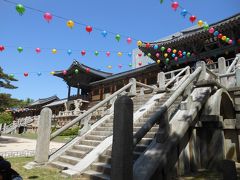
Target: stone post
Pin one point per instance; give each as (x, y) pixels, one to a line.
(222, 70)
(161, 81)
(238, 77)
(133, 89)
(43, 138)
(122, 148)
(203, 73)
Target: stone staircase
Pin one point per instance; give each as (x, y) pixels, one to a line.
(101, 169)
(86, 144)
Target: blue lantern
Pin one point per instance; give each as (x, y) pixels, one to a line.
(173, 55)
(215, 33)
(155, 47)
(130, 54)
(69, 52)
(184, 13)
(104, 33)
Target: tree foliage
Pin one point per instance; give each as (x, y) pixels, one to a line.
(5, 80)
(5, 117)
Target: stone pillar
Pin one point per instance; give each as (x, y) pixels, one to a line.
(237, 77)
(161, 81)
(43, 138)
(133, 89)
(203, 73)
(122, 148)
(222, 70)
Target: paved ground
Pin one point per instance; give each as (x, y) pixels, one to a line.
(19, 144)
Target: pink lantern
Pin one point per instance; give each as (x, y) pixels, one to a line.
(176, 58)
(230, 41)
(211, 30)
(120, 66)
(108, 53)
(64, 72)
(25, 74)
(169, 50)
(38, 50)
(140, 63)
(129, 40)
(157, 55)
(87, 70)
(140, 54)
(175, 5)
(48, 16)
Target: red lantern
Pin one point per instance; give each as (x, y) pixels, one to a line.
(129, 40)
(192, 18)
(2, 48)
(87, 70)
(220, 36)
(179, 52)
(148, 45)
(140, 54)
(89, 29)
(175, 5)
(83, 52)
(140, 63)
(25, 74)
(64, 72)
(108, 53)
(47, 16)
(38, 50)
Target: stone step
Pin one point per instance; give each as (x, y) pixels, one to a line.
(104, 128)
(69, 159)
(82, 147)
(89, 142)
(76, 153)
(107, 124)
(60, 165)
(94, 175)
(93, 137)
(153, 129)
(101, 167)
(101, 133)
(104, 159)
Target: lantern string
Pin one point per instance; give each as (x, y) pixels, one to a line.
(66, 19)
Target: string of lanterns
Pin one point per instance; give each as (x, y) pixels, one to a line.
(70, 23)
(69, 51)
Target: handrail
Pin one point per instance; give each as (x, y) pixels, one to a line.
(212, 73)
(173, 71)
(227, 75)
(145, 85)
(232, 65)
(77, 119)
(175, 77)
(149, 124)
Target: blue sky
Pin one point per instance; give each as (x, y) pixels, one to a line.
(143, 20)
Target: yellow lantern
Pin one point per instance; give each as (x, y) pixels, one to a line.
(224, 38)
(200, 23)
(139, 43)
(54, 51)
(165, 55)
(109, 67)
(70, 24)
(52, 73)
(158, 61)
(119, 54)
(174, 51)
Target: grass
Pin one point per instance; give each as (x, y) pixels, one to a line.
(40, 173)
(60, 139)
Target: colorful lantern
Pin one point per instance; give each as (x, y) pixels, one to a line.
(64, 72)
(176, 59)
(119, 54)
(148, 45)
(184, 53)
(39, 73)
(104, 33)
(38, 50)
(69, 52)
(129, 54)
(230, 41)
(2, 48)
(109, 67)
(87, 70)
(130, 65)
(96, 53)
(139, 54)
(108, 53)
(175, 5)
(211, 30)
(47, 16)
(165, 55)
(20, 9)
(20, 49)
(200, 23)
(167, 60)
(89, 29)
(215, 33)
(174, 51)
(169, 50)
(118, 37)
(224, 38)
(220, 36)
(157, 55)
(162, 48)
(119, 66)
(70, 24)
(54, 51)
(158, 61)
(184, 13)
(227, 40)
(149, 54)
(83, 52)
(52, 73)
(129, 40)
(139, 43)
(155, 47)
(205, 26)
(140, 63)
(173, 55)
(11, 75)
(192, 18)
(188, 54)
(25, 74)
(76, 71)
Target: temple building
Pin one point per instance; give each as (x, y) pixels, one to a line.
(93, 85)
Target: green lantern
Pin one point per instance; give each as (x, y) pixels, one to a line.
(20, 49)
(118, 37)
(149, 54)
(20, 9)
(76, 71)
(96, 53)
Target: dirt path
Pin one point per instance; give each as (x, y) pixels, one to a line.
(19, 144)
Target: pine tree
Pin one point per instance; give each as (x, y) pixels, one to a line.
(5, 80)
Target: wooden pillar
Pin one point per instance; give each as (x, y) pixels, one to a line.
(69, 92)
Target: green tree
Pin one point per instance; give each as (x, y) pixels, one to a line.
(6, 117)
(5, 80)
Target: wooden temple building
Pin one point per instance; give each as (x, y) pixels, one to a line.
(94, 85)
